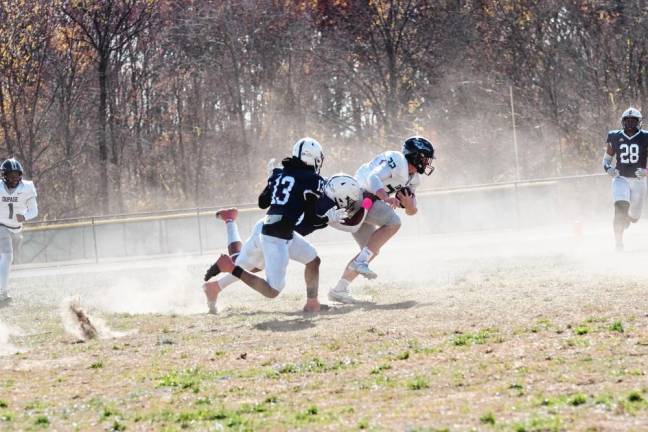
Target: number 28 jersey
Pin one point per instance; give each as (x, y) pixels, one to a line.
(16, 202)
(631, 151)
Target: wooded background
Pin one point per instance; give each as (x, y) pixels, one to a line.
(131, 105)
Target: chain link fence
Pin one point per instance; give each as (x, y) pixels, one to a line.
(506, 205)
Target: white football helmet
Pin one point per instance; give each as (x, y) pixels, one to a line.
(344, 190)
(632, 112)
(310, 152)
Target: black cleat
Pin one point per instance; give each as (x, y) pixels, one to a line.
(212, 271)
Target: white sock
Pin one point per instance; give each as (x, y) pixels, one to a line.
(226, 280)
(5, 263)
(364, 255)
(342, 285)
(232, 232)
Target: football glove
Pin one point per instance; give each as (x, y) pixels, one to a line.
(640, 172)
(337, 215)
(613, 172)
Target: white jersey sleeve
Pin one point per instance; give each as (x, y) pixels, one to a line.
(19, 201)
(386, 171)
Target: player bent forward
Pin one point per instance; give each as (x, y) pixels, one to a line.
(391, 172)
(342, 194)
(630, 145)
(291, 191)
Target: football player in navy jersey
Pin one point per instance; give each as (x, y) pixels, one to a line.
(291, 191)
(342, 195)
(630, 146)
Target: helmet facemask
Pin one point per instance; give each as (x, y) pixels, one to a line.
(631, 113)
(12, 178)
(625, 121)
(422, 163)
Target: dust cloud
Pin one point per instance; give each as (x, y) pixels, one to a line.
(83, 324)
(6, 347)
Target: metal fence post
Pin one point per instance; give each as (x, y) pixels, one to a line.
(200, 244)
(94, 240)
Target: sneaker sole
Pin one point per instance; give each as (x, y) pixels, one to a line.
(344, 300)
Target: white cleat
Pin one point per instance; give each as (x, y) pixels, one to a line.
(363, 269)
(213, 310)
(342, 297)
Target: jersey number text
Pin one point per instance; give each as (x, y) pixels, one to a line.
(281, 192)
(629, 153)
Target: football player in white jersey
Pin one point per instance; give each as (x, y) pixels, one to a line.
(392, 177)
(630, 146)
(17, 204)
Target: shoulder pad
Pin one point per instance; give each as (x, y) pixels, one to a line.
(29, 186)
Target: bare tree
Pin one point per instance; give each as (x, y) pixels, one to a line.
(108, 27)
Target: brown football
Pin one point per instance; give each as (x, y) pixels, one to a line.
(400, 193)
(355, 218)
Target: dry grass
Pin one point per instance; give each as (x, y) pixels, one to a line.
(494, 341)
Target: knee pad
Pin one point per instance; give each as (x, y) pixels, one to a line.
(621, 208)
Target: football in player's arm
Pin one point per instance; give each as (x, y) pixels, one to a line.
(629, 146)
(17, 205)
(396, 173)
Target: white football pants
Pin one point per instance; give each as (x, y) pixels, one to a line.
(632, 190)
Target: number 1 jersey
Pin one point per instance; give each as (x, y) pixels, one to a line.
(15, 202)
(631, 151)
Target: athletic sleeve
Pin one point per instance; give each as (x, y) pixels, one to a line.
(265, 199)
(310, 211)
(314, 187)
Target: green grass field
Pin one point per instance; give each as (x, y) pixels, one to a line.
(544, 341)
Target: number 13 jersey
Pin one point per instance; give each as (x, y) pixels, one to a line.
(631, 151)
(16, 202)
(287, 191)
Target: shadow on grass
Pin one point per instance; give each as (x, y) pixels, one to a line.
(305, 320)
(277, 325)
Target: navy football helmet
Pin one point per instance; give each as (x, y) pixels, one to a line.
(11, 166)
(419, 152)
